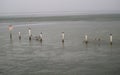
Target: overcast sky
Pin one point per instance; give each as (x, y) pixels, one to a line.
(57, 7)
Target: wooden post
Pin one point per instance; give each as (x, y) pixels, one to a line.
(111, 39)
(86, 39)
(30, 34)
(10, 30)
(40, 36)
(63, 37)
(19, 34)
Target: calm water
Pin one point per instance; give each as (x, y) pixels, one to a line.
(52, 57)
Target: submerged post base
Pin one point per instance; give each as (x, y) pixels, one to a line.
(111, 43)
(29, 38)
(19, 37)
(86, 42)
(10, 36)
(62, 41)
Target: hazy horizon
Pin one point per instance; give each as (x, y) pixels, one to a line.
(57, 7)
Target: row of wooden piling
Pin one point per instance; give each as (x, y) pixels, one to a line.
(30, 34)
(40, 36)
(110, 37)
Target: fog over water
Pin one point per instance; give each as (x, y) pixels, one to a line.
(76, 18)
(57, 7)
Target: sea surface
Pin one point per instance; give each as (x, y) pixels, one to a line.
(51, 56)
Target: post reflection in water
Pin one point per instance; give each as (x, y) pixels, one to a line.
(86, 45)
(40, 42)
(63, 45)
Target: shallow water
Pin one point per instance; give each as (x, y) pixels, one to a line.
(52, 57)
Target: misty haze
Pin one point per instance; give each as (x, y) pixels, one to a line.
(59, 37)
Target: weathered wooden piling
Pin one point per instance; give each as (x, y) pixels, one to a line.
(63, 37)
(10, 30)
(111, 39)
(30, 34)
(40, 37)
(19, 35)
(86, 39)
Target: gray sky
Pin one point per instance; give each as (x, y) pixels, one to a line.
(58, 7)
